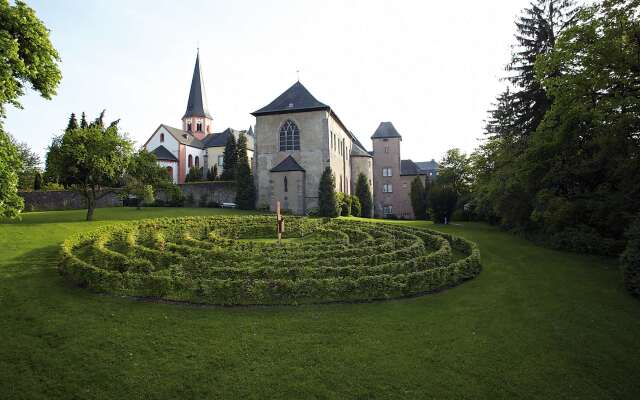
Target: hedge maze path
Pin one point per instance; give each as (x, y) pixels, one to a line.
(230, 260)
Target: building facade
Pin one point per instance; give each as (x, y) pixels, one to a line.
(295, 138)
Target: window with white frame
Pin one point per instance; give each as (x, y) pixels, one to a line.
(386, 210)
(387, 171)
(387, 188)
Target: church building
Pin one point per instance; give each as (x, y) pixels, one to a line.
(296, 137)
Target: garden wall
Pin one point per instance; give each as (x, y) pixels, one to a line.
(203, 194)
(63, 200)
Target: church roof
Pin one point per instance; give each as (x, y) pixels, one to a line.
(162, 153)
(358, 151)
(288, 164)
(295, 99)
(220, 139)
(427, 165)
(197, 103)
(408, 167)
(386, 130)
(183, 137)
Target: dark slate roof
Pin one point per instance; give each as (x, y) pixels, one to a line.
(357, 151)
(288, 164)
(162, 153)
(427, 165)
(197, 103)
(386, 130)
(408, 167)
(220, 139)
(295, 99)
(183, 137)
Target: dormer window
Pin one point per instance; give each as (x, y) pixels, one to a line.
(199, 127)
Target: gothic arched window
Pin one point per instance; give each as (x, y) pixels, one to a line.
(289, 136)
(190, 161)
(197, 161)
(286, 184)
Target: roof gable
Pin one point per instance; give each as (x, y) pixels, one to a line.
(183, 137)
(295, 99)
(288, 164)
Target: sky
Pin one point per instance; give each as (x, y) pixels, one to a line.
(431, 68)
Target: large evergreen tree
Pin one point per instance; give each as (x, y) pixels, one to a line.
(245, 188)
(327, 202)
(230, 159)
(73, 122)
(418, 198)
(363, 192)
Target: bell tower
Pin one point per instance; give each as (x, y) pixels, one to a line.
(197, 118)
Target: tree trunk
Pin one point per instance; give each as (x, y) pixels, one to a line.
(91, 204)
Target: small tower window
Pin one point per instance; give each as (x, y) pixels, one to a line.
(199, 127)
(162, 137)
(190, 161)
(289, 136)
(286, 185)
(188, 126)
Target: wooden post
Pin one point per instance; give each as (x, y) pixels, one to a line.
(279, 222)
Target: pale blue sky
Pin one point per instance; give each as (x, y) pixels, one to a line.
(432, 68)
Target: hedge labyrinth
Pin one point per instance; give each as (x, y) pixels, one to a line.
(234, 260)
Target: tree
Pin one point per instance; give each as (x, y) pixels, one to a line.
(455, 171)
(630, 259)
(73, 122)
(90, 160)
(83, 121)
(194, 174)
(144, 177)
(443, 200)
(356, 207)
(363, 192)
(28, 57)
(10, 203)
(230, 159)
(418, 198)
(30, 165)
(213, 172)
(37, 181)
(327, 203)
(245, 188)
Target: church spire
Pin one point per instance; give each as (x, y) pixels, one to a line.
(197, 103)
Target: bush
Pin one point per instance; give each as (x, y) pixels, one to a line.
(343, 203)
(356, 207)
(630, 259)
(201, 260)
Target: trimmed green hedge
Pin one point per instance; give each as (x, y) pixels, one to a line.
(223, 260)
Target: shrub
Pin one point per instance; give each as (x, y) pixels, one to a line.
(630, 259)
(203, 260)
(327, 202)
(356, 207)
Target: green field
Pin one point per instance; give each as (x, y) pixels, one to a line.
(536, 323)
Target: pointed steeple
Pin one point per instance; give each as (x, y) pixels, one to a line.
(197, 103)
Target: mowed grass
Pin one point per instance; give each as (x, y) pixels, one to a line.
(536, 323)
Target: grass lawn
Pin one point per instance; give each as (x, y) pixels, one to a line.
(536, 323)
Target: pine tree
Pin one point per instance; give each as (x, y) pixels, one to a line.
(73, 122)
(327, 206)
(83, 121)
(230, 159)
(245, 189)
(363, 192)
(418, 198)
(537, 29)
(213, 172)
(37, 181)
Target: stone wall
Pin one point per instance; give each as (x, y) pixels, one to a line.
(202, 194)
(63, 200)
